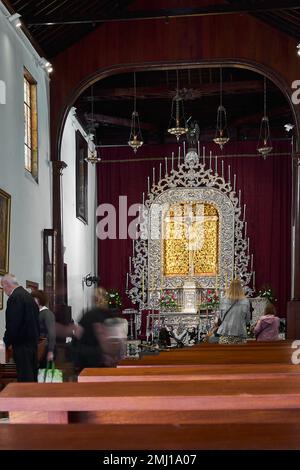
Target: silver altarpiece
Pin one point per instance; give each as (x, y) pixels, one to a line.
(197, 182)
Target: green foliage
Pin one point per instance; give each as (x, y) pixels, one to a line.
(168, 300)
(267, 293)
(114, 299)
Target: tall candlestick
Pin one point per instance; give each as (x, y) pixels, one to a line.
(130, 264)
(254, 281)
(240, 193)
(172, 160)
(251, 264)
(216, 164)
(178, 156)
(148, 184)
(153, 173)
(159, 171)
(143, 199)
(248, 246)
(229, 175)
(184, 149)
(245, 229)
(234, 182)
(244, 213)
(210, 155)
(166, 165)
(222, 168)
(127, 281)
(203, 155)
(198, 147)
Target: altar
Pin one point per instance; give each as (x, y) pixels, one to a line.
(184, 329)
(192, 242)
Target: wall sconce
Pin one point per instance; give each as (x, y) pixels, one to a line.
(46, 65)
(89, 280)
(15, 20)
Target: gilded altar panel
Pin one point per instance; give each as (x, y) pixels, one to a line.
(191, 239)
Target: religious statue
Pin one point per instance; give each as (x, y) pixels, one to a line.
(192, 135)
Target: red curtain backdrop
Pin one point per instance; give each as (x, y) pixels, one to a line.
(265, 185)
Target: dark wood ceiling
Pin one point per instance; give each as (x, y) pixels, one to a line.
(72, 19)
(113, 97)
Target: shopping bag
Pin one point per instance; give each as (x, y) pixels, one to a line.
(50, 374)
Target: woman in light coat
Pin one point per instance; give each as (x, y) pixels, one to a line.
(234, 315)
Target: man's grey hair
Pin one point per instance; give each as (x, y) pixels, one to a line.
(10, 279)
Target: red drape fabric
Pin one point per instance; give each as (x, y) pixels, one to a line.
(266, 188)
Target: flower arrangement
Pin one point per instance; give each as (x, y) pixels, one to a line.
(114, 299)
(267, 293)
(168, 300)
(211, 301)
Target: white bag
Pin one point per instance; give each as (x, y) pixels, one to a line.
(50, 374)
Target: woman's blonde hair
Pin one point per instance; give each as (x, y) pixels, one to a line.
(235, 291)
(270, 309)
(101, 297)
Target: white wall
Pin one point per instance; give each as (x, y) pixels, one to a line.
(79, 238)
(30, 201)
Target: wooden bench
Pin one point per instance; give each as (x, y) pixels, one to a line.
(263, 353)
(189, 372)
(62, 403)
(242, 436)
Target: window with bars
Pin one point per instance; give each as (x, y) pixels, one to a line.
(30, 122)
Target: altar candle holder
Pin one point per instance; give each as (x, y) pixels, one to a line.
(234, 182)
(153, 173)
(159, 171)
(198, 147)
(148, 184)
(204, 156)
(178, 156)
(166, 166)
(172, 161)
(222, 168)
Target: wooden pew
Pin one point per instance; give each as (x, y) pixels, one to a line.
(242, 436)
(57, 403)
(189, 372)
(263, 353)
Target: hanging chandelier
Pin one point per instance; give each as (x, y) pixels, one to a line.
(177, 125)
(264, 146)
(92, 150)
(221, 136)
(135, 138)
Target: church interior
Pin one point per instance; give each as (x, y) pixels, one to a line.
(150, 170)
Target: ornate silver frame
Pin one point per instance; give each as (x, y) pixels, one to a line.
(194, 181)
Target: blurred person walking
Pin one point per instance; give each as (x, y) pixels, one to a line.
(99, 335)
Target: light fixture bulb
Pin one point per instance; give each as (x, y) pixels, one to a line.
(15, 20)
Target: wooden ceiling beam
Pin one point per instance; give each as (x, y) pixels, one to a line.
(222, 9)
(190, 92)
(256, 118)
(116, 121)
